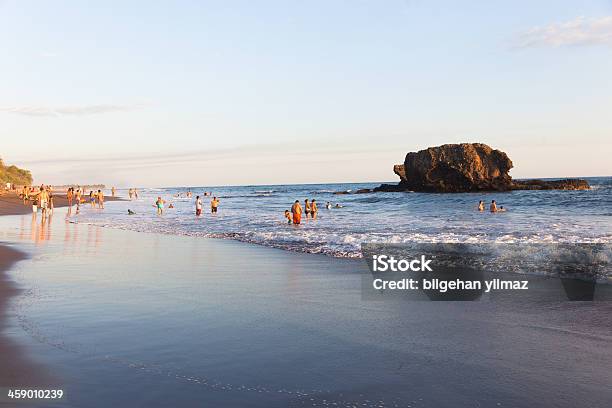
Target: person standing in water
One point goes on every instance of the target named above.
(296, 211)
(288, 217)
(307, 208)
(198, 206)
(493, 207)
(100, 199)
(113, 191)
(160, 206)
(481, 206)
(214, 205)
(313, 208)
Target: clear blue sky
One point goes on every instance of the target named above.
(157, 93)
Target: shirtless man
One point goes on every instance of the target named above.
(313, 208)
(481, 205)
(214, 205)
(296, 211)
(100, 199)
(43, 201)
(493, 207)
(69, 196)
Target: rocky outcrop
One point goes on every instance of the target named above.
(399, 170)
(466, 167)
(565, 184)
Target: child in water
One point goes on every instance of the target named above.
(288, 216)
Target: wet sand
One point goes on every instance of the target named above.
(12, 204)
(186, 321)
(16, 370)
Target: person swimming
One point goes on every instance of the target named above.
(501, 209)
(493, 206)
(328, 205)
(338, 206)
(130, 212)
(481, 206)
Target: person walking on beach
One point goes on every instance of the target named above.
(307, 208)
(113, 191)
(214, 205)
(43, 201)
(481, 206)
(198, 206)
(130, 193)
(296, 211)
(100, 199)
(69, 196)
(493, 207)
(51, 202)
(314, 209)
(77, 196)
(160, 206)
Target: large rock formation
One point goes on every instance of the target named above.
(465, 167)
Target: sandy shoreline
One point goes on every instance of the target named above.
(16, 370)
(12, 204)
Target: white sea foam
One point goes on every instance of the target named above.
(256, 215)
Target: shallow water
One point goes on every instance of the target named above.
(130, 319)
(255, 214)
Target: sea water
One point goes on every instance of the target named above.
(255, 214)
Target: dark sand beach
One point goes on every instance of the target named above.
(12, 204)
(17, 370)
(133, 319)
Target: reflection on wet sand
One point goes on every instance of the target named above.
(39, 230)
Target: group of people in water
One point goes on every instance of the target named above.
(160, 204)
(311, 209)
(492, 207)
(77, 195)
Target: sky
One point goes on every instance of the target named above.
(187, 93)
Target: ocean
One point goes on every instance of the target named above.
(255, 214)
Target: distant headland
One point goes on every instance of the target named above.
(14, 175)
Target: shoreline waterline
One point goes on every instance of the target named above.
(17, 369)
